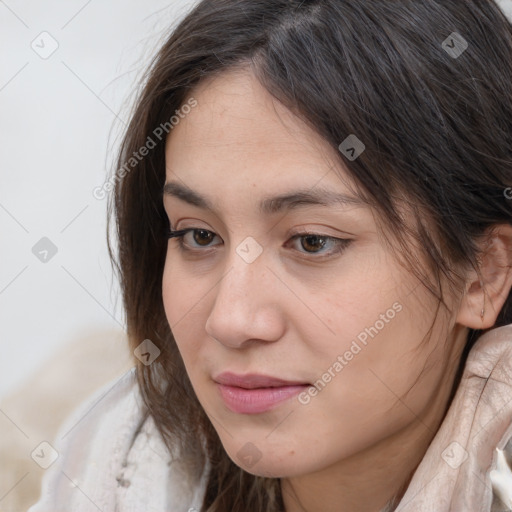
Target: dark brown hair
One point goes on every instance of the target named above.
(438, 134)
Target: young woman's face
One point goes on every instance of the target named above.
(333, 313)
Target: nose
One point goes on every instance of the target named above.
(247, 304)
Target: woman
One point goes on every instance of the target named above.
(313, 210)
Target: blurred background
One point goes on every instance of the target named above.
(67, 75)
(506, 6)
(68, 72)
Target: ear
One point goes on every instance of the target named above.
(490, 290)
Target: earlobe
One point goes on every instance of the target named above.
(486, 293)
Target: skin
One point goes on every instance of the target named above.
(293, 310)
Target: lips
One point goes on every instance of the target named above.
(253, 381)
(253, 393)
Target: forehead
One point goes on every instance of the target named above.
(234, 104)
(238, 134)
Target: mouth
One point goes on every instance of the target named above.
(254, 393)
(254, 381)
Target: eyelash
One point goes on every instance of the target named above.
(342, 243)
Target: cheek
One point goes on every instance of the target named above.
(370, 366)
(183, 302)
(389, 381)
(365, 317)
(170, 284)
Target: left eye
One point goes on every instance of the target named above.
(309, 241)
(316, 241)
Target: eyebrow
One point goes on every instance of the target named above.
(269, 205)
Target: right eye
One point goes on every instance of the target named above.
(204, 235)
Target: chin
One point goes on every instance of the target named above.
(266, 461)
(270, 469)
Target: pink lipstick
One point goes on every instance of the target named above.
(253, 393)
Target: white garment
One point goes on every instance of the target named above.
(119, 462)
